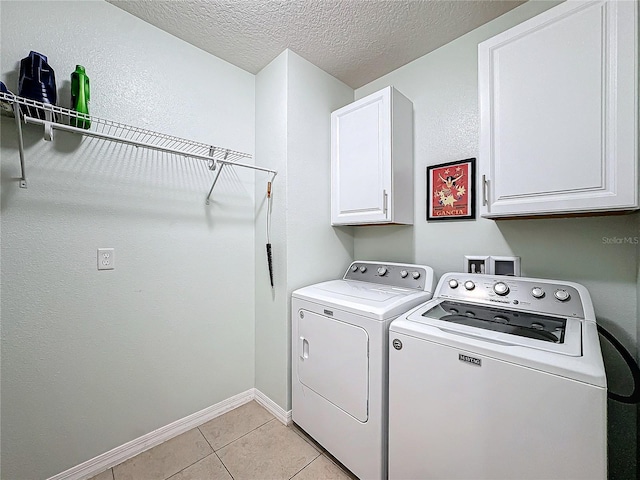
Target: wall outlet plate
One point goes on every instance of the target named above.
(504, 266)
(106, 259)
(476, 264)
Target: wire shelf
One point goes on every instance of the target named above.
(52, 117)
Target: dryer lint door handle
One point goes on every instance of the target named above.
(304, 348)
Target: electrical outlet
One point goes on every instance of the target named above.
(476, 264)
(106, 259)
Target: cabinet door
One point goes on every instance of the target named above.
(361, 161)
(558, 103)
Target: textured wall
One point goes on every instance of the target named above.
(91, 360)
(271, 304)
(316, 251)
(294, 100)
(443, 88)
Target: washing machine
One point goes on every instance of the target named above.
(339, 358)
(498, 378)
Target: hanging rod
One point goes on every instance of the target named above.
(52, 117)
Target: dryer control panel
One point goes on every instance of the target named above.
(415, 277)
(527, 294)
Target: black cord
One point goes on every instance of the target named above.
(633, 368)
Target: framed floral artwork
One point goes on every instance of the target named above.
(451, 191)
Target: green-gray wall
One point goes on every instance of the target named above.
(443, 88)
(294, 101)
(92, 360)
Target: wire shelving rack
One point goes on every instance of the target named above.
(52, 118)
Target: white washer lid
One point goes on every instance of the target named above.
(429, 315)
(581, 361)
(379, 302)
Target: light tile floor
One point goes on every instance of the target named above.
(247, 443)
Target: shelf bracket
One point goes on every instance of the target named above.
(226, 154)
(214, 182)
(48, 130)
(212, 162)
(23, 173)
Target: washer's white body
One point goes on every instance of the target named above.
(470, 403)
(339, 360)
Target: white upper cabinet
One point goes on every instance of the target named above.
(372, 160)
(558, 112)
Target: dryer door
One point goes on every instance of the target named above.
(333, 361)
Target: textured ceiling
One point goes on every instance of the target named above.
(356, 41)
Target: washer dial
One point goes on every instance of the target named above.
(537, 292)
(469, 285)
(453, 283)
(501, 288)
(562, 295)
(382, 271)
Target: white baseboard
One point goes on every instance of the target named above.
(275, 409)
(130, 449)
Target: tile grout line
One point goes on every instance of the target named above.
(223, 464)
(199, 460)
(180, 471)
(312, 460)
(214, 452)
(226, 445)
(323, 451)
(304, 437)
(338, 464)
(320, 453)
(206, 439)
(241, 436)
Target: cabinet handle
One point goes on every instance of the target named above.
(384, 201)
(484, 190)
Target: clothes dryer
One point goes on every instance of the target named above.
(339, 358)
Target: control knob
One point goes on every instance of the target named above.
(363, 269)
(382, 271)
(562, 295)
(354, 268)
(537, 292)
(404, 273)
(415, 275)
(469, 285)
(501, 288)
(453, 283)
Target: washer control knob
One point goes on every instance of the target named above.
(382, 271)
(404, 273)
(453, 283)
(501, 288)
(415, 275)
(354, 268)
(363, 269)
(469, 285)
(537, 292)
(562, 295)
